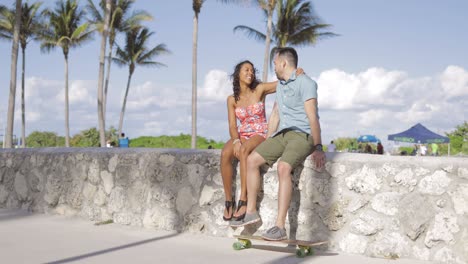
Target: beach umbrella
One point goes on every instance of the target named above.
(368, 138)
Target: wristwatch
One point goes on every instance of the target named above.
(318, 147)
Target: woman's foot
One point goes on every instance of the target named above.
(241, 209)
(229, 209)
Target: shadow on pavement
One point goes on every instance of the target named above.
(11, 214)
(292, 259)
(105, 251)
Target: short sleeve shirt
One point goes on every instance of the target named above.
(290, 98)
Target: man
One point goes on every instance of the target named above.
(298, 136)
(331, 147)
(123, 141)
(435, 149)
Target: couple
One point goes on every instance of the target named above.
(292, 134)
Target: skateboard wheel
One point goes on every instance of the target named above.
(237, 246)
(301, 253)
(310, 252)
(247, 244)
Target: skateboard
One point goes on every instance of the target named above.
(303, 248)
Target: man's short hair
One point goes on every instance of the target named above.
(289, 54)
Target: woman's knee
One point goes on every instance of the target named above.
(244, 152)
(226, 154)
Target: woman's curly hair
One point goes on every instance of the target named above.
(236, 82)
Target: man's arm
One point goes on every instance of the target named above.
(273, 122)
(318, 156)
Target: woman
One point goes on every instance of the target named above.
(247, 104)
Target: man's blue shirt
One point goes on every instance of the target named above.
(124, 142)
(290, 98)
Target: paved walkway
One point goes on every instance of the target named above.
(38, 238)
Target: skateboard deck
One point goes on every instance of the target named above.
(303, 248)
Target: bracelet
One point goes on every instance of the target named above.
(235, 141)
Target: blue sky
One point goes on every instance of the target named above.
(395, 63)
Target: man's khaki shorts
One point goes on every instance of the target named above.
(291, 146)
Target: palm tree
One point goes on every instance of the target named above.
(269, 7)
(14, 61)
(120, 21)
(65, 31)
(136, 53)
(102, 124)
(296, 25)
(30, 25)
(196, 6)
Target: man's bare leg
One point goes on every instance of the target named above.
(284, 192)
(254, 161)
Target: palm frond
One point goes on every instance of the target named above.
(160, 49)
(250, 32)
(95, 16)
(80, 31)
(153, 64)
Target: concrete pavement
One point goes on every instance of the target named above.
(38, 238)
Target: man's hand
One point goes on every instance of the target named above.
(318, 160)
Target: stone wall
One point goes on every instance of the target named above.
(383, 206)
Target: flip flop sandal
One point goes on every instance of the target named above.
(229, 205)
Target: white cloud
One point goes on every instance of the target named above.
(372, 117)
(454, 81)
(341, 90)
(80, 92)
(217, 86)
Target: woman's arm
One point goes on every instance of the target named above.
(268, 87)
(232, 118)
(273, 122)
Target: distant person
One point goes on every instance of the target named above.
(247, 106)
(435, 149)
(422, 149)
(415, 150)
(331, 147)
(379, 148)
(368, 149)
(123, 141)
(109, 144)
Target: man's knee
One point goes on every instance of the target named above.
(284, 170)
(254, 160)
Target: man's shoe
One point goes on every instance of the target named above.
(275, 234)
(248, 220)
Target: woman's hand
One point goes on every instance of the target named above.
(299, 71)
(237, 145)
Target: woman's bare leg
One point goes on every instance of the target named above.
(227, 157)
(248, 145)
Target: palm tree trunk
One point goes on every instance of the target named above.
(106, 83)
(67, 122)
(194, 81)
(23, 110)
(267, 43)
(102, 125)
(14, 61)
(124, 104)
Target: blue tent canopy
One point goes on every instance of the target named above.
(418, 134)
(368, 138)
